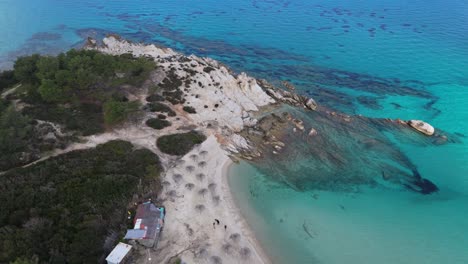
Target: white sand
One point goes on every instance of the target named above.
(189, 233)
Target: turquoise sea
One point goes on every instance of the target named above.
(378, 58)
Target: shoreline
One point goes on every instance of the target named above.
(235, 209)
(203, 223)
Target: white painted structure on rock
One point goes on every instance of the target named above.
(422, 127)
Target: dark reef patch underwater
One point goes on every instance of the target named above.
(342, 153)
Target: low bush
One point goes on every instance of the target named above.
(179, 144)
(155, 98)
(174, 97)
(208, 69)
(190, 110)
(157, 123)
(160, 107)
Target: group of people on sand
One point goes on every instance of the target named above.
(217, 222)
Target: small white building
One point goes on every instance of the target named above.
(119, 254)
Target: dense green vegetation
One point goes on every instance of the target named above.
(80, 89)
(179, 144)
(80, 74)
(157, 123)
(61, 210)
(7, 79)
(16, 133)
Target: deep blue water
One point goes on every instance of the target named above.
(398, 59)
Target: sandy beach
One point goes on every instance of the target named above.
(197, 194)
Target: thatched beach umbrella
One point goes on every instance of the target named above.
(212, 186)
(245, 252)
(200, 176)
(200, 208)
(227, 248)
(177, 177)
(190, 168)
(216, 199)
(189, 186)
(194, 157)
(165, 184)
(202, 192)
(216, 260)
(235, 237)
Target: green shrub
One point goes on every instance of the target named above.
(171, 82)
(208, 69)
(116, 112)
(7, 80)
(26, 68)
(157, 123)
(190, 109)
(174, 97)
(179, 144)
(160, 107)
(51, 92)
(15, 130)
(155, 98)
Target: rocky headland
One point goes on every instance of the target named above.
(241, 118)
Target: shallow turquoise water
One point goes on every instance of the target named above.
(355, 56)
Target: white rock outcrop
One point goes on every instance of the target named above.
(116, 46)
(208, 86)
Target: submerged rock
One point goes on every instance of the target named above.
(312, 132)
(422, 127)
(311, 104)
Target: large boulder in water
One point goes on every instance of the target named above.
(422, 127)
